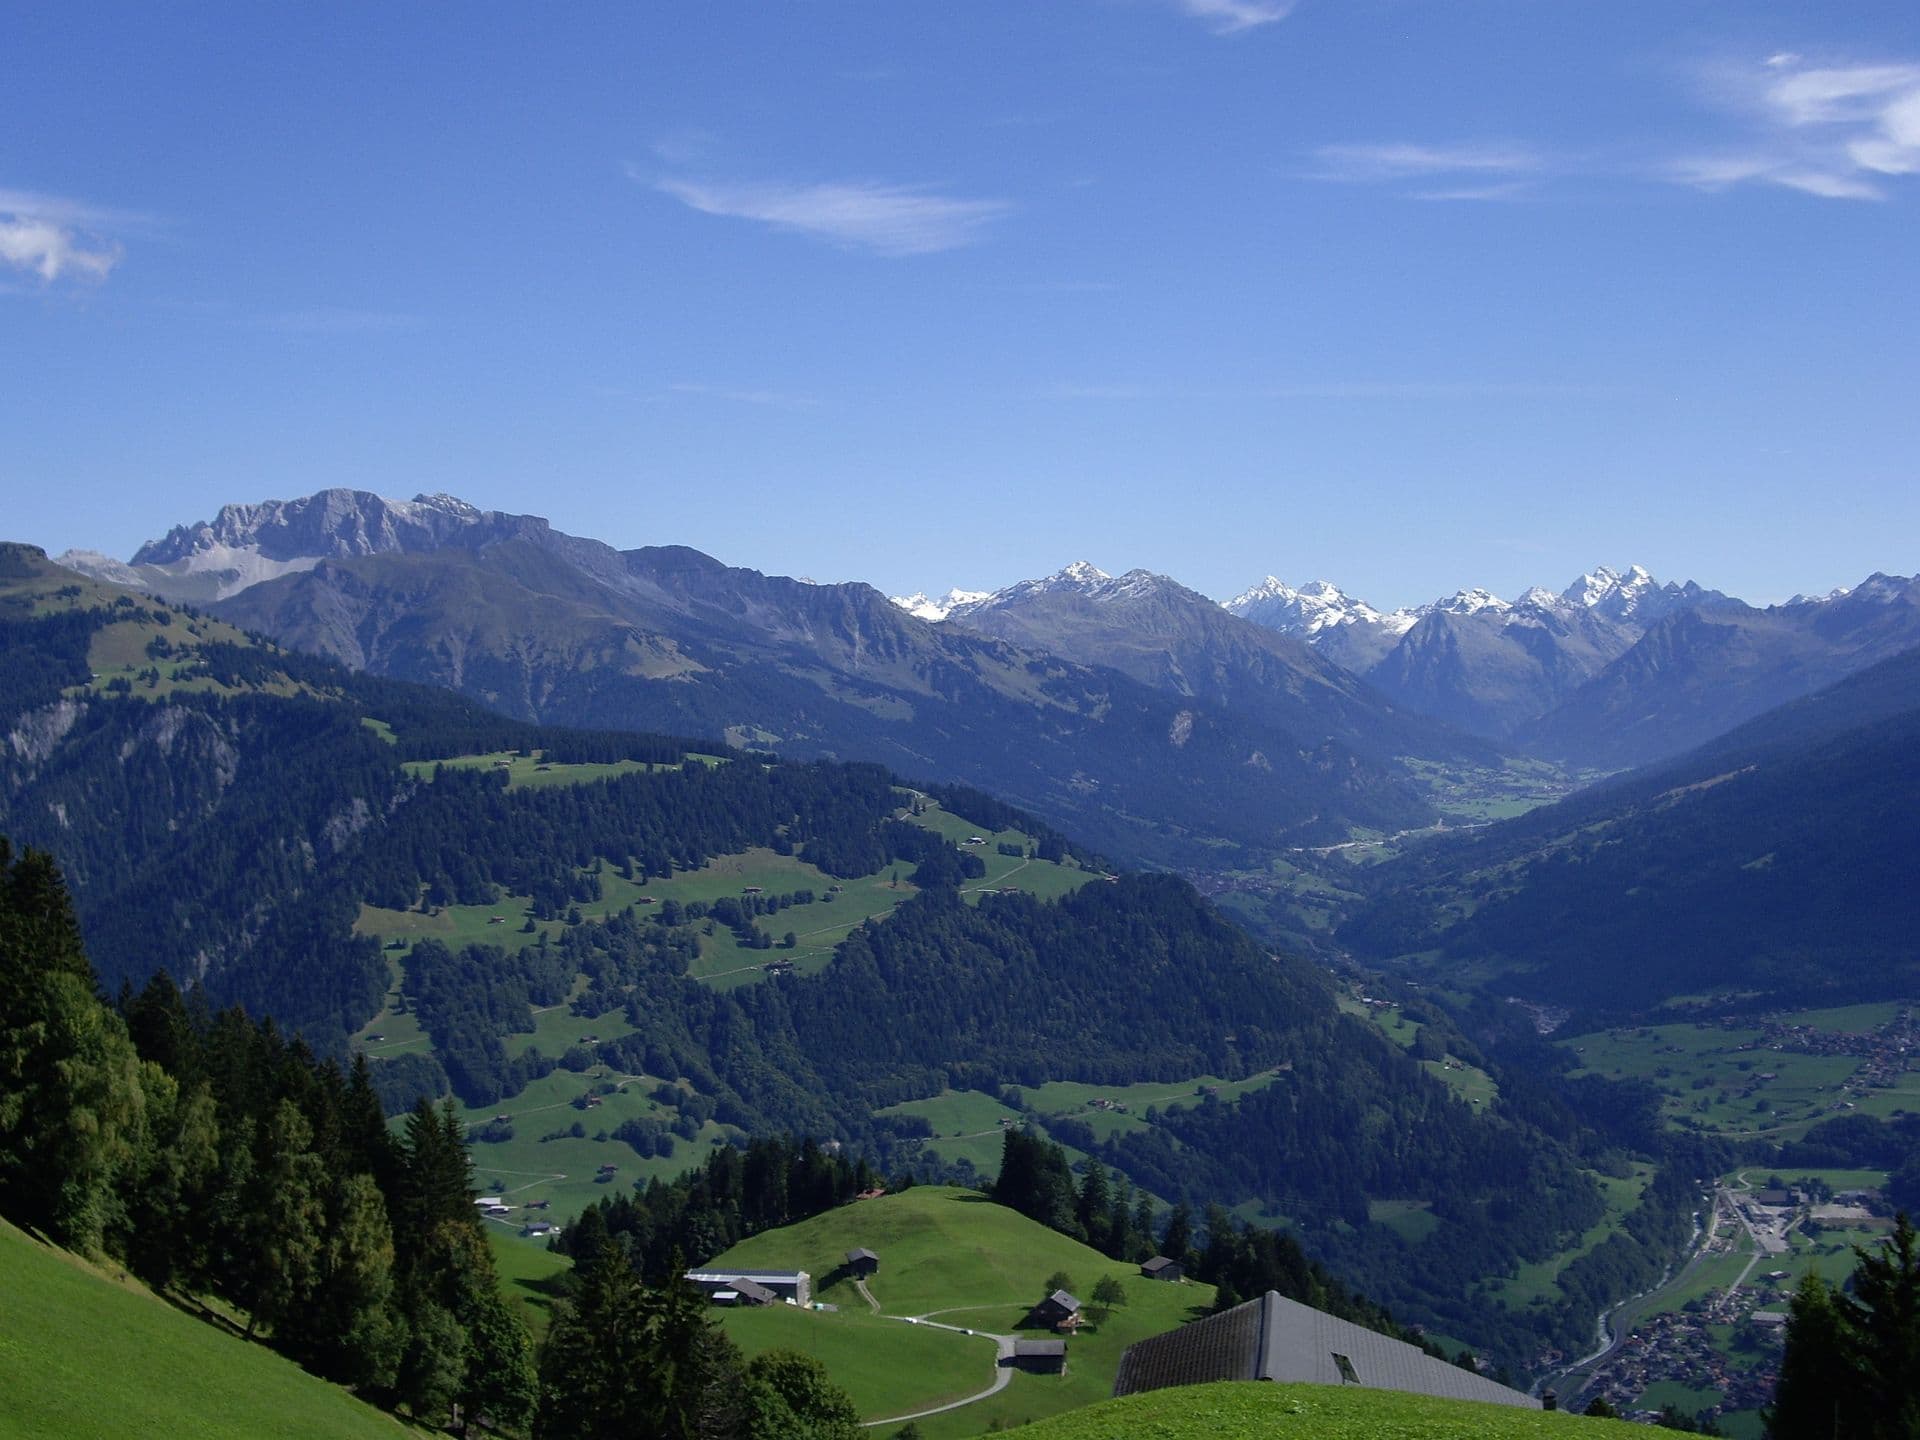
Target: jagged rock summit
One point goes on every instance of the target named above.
(246, 544)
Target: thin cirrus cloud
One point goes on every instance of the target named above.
(881, 219)
(56, 238)
(735, 395)
(1840, 132)
(1232, 17)
(1403, 161)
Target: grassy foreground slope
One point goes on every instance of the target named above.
(1324, 1412)
(82, 1355)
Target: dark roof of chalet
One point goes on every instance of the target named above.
(1274, 1338)
(1159, 1263)
(753, 1290)
(1061, 1298)
(854, 1257)
(1039, 1348)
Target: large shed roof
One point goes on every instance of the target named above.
(1274, 1338)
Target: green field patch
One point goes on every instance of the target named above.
(954, 1256)
(1047, 879)
(1725, 1081)
(545, 1160)
(1684, 1398)
(1469, 1082)
(84, 1352)
(380, 728)
(1847, 1019)
(149, 660)
(967, 1125)
(886, 1366)
(529, 1276)
(1832, 1179)
(959, 1113)
(1402, 1031)
(1828, 1255)
(1489, 792)
(556, 1030)
(457, 926)
(533, 771)
(1074, 1097)
(1539, 1280)
(1412, 1220)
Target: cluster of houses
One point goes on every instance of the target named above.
(495, 1207)
(753, 1287)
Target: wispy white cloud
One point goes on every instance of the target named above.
(1231, 17)
(773, 399)
(1841, 132)
(861, 215)
(1399, 160)
(1503, 190)
(55, 238)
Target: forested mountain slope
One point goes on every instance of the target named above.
(1777, 859)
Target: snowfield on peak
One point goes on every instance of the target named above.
(927, 608)
(1316, 606)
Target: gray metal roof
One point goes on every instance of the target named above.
(1274, 1338)
(860, 1254)
(1039, 1347)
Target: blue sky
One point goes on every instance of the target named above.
(1405, 294)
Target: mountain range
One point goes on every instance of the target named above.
(549, 627)
(1131, 709)
(1615, 670)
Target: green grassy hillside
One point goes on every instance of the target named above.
(82, 1354)
(955, 1258)
(1323, 1412)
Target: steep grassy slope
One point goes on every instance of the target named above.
(84, 1355)
(1323, 1412)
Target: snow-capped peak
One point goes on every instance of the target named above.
(927, 608)
(1608, 589)
(1467, 602)
(1311, 610)
(1080, 573)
